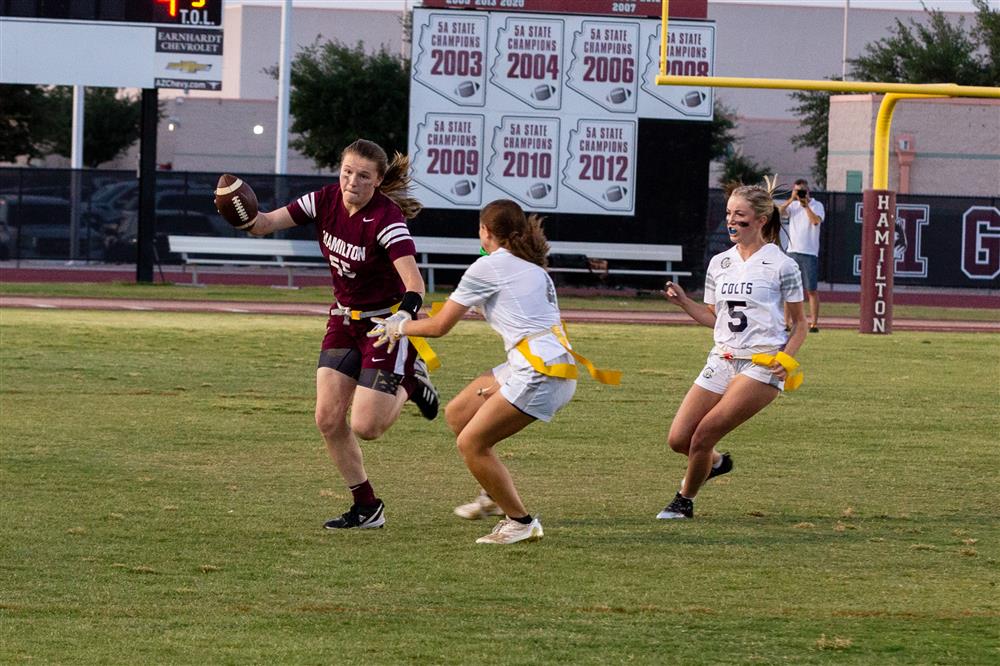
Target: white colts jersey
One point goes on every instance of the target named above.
(517, 299)
(749, 299)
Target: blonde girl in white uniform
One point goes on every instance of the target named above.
(746, 289)
(517, 298)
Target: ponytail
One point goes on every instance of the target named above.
(520, 234)
(772, 228)
(396, 185)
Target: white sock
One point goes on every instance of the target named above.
(717, 465)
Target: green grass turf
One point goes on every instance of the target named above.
(163, 490)
(644, 302)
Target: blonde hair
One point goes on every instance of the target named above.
(395, 175)
(761, 200)
(521, 234)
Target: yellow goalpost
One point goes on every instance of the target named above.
(879, 202)
(898, 90)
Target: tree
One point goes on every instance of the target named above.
(340, 94)
(736, 167)
(23, 109)
(933, 52)
(111, 123)
(36, 121)
(723, 131)
(813, 110)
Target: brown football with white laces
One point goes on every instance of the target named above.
(235, 200)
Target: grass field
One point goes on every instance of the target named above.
(163, 490)
(626, 302)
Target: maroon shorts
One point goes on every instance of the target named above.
(353, 335)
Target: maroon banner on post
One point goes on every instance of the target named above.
(692, 9)
(878, 233)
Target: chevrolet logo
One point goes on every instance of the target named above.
(189, 66)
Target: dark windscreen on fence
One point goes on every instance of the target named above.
(940, 241)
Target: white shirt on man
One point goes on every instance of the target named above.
(803, 235)
(749, 298)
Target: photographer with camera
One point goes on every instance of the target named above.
(805, 214)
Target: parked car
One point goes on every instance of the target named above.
(191, 213)
(107, 202)
(38, 227)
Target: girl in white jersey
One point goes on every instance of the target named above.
(746, 289)
(518, 300)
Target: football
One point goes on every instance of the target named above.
(235, 201)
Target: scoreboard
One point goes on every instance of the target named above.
(112, 43)
(205, 13)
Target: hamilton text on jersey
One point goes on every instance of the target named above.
(343, 248)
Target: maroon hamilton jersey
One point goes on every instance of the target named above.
(360, 247)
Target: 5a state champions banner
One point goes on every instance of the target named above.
(543, 109)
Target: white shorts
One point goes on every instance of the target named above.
(719, 372)
(532, 392)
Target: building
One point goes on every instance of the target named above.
(235, 130)
(796, 42)
(937, 146)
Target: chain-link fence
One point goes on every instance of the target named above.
(92, 216)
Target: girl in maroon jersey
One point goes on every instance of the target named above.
(361, 227)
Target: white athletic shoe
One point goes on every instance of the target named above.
(481, 507)
(511, 531)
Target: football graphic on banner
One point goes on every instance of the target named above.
(539, 190)
(693, 98)
(543, 92)
(467, 88)
(616, 193)
(619, 95)
(463, 187)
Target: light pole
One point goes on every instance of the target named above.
(284, 86)
(843, 71)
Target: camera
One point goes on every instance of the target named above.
(799, 193)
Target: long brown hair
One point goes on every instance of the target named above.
(395, 175)
(520, 234)
(761, 200)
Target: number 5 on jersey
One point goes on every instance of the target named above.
(738, 319)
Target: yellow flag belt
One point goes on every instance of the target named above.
(567, 370)
(794, 376)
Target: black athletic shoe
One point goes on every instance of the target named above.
(424, 396)
(725, 468)
(681, 507)
(359, 517)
